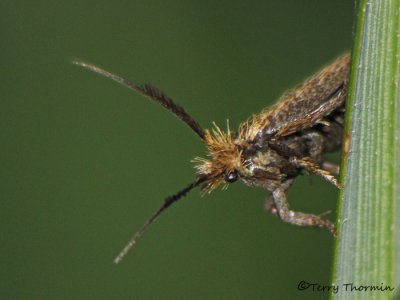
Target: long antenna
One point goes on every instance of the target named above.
(149, 91)
(168, 201)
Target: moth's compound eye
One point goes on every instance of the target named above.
(231, 177)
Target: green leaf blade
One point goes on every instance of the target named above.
(367, 250)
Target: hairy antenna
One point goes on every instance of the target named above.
(168, 201)
(149, 91)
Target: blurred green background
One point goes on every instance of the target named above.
(86, 161)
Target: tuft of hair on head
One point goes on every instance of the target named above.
(168, 201)
(225, 157)
(149, 91)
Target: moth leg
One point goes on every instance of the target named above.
(307, 164)
(330, 167)
(270, 206)
(295, 217)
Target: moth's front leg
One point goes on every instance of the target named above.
(279, 197)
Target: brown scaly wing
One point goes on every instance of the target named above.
(304, 106)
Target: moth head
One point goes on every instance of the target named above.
(225, 164)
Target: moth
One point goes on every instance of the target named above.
(271, 148)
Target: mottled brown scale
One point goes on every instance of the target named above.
(271, 148)
(303, 106)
